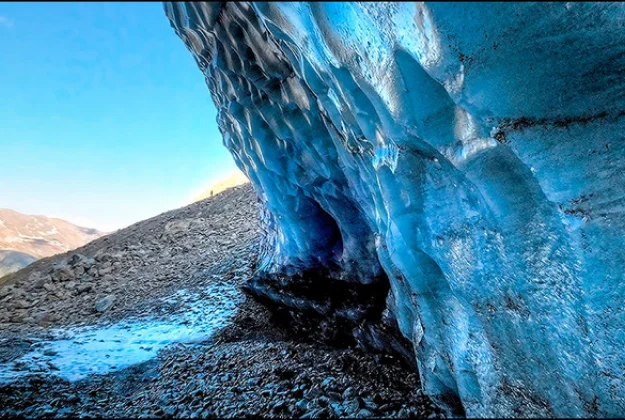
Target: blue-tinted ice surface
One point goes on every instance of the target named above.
(474, 153)
(75, 353)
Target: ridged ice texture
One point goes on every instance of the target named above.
(472, 152)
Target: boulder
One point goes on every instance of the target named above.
(62, 273)
(84, 287)
(105, 303)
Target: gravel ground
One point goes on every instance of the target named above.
(184, 248)
(252, 367)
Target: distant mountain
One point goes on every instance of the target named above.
(229, 181)
(25, 238)
(11, 261)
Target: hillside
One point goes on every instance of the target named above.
(26, 238)
(11, 261)
(232, 180)
(134, 263)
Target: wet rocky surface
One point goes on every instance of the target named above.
(161, 273)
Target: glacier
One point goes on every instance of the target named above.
(455, 167)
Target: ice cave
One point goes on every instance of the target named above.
(456, 167)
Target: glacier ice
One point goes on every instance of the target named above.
(468, 156)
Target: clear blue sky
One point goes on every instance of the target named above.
(105, 119)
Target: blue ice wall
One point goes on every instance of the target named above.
(473, 153)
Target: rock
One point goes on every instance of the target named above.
(364, 414)
(329, 383)
(107, 279)
(297, 391)
(75, 259)
(38, 284)
(42, 318)
(336, 396)
(18, 318)
(369, 403)
(23, 304)
(84, 287)
(170, 411)
(63, 273)
(279, 406)
(80, 261)
(105, 270)
(36, 281)
(105, 303)
(312, 393)
(402, 412)
(301, 405)
(385, 407)
(72, 398)
(352, 406)
(337, 409)
(254, 382)
(226, 377)
(324, 412)
(49, 352)
(349, 393)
